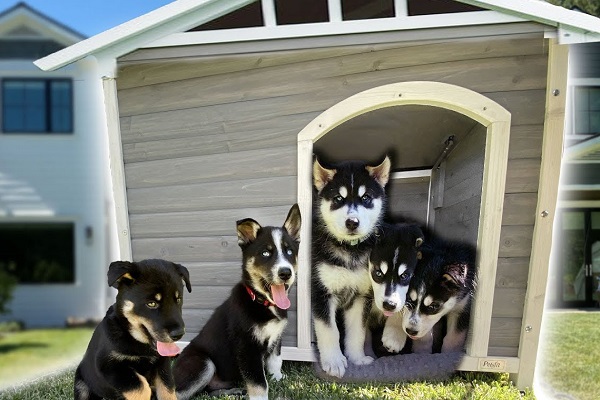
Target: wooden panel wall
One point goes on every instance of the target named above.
(210, 140)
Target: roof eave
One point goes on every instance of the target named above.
(173, 17)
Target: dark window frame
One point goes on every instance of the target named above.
(48, 106)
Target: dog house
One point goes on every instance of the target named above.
(214, 109)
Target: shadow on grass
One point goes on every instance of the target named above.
(7, 348)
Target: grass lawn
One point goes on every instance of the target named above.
(569, 369)
(32, 353)
(301, 383)
(570, 351)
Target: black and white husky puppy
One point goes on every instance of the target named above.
(392, 263)
(349, 205)
(442, 286)
(243, 336)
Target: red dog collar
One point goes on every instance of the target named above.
(255, 298)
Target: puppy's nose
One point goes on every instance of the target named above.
(176, 333)
(412, 332)
(389, 305)
(284, 273)
(352, 223)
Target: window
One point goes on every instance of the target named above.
(38, 252)
(37, 106)
(586, 110)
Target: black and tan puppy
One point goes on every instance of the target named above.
(130, 351)
(243, 336)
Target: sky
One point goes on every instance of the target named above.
(90, 17)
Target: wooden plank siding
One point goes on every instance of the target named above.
(210, 140)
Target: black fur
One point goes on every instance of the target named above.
(236, 344)
(447, 271)
(122, 356)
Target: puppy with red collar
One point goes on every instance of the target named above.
(243, 336)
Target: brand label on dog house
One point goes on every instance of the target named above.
(489, 364)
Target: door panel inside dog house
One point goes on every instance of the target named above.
(437, 159)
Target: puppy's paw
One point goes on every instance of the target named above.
(361, 359)
(278, 375)
(393, 340)
(334, 364)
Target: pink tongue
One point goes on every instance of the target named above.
(388, 313)
(280, 296)
(167, 349)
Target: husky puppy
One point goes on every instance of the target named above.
(392, 263)
(349, 206)
(243, 336)
(130, 351)
(442, 286)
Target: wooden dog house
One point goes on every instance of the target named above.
(214, 108)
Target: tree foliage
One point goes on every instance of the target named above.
(588, 6)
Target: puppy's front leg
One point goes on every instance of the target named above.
(129, 383)
(394, 337)
(274, 362)
(164, 382)
(356, 331)
(332, 360)
(252, 368)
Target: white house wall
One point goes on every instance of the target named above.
(60, 178)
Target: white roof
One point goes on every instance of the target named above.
(182, 15)
(22, 20)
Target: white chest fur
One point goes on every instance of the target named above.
(337, 278)
(270, 332)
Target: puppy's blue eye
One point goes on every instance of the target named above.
(289, 252)
(338, 199)
(152, 304)
(378, 273)
(366, 199)
(433, 307)
(405, 276)
(266, 254)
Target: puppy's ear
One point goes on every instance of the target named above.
(121, 270)
(292, 223)
(455, 275)
(185, 275)
(247, 230)
(321, 175)
(381, 172)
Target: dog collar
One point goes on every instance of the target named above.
(255, 298)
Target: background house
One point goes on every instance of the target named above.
(575, 280)
(55, 197)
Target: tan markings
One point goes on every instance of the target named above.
(448, 278)
(136, 323)
(143, 393)
(162, 391)
(413, 295)
(428, 300)
(256, 391)
(158, 297)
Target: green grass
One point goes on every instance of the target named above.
(33, 353)
(570, 352)
(301, 383)
(569, 369)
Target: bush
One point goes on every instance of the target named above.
(7, 285)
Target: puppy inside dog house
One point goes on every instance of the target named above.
(212, 110)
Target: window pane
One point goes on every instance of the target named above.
(594, 122)
(594, 96)
(38, 252)
(301, 12)
(37, 105)
(367, 9)
(582, 125)
(581, 99)
(61, 107)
